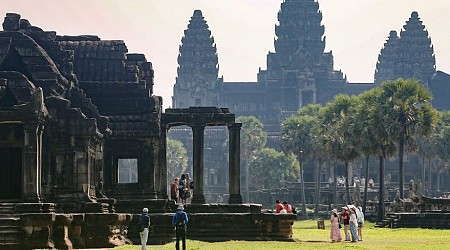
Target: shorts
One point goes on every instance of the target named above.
(360, 224)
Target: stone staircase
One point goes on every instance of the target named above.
(10, 228)
(389, 221)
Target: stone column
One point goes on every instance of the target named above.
(234, 169)
(164, 185)
(31, 187)
(198, 148)
(146, 169)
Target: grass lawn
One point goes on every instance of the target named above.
(307, 236)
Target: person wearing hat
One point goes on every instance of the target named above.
(353, 224)
(335, 233)
(360, 223)
(144, 224)
(180, 220)
(346, 221)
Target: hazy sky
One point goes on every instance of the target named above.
(243, 30)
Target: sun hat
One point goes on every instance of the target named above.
(145, 210)
(334, 210)
(180, 207)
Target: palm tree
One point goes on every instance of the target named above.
(337, 122)
(363, 133)
(383, 131)
(296, 138)
(411, 115)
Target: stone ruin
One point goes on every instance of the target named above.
(74, 110)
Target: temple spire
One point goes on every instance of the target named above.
(198, 66)
(409, 56)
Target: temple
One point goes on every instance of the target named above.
(299, 72)
(83, 143)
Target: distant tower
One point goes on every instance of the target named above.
(197, 83)
(299, 32)
(387, 59)
(291, 77)
(412, 54)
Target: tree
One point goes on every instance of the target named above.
(364, 135)
(253, 138)
(411, 115)
(272, 169)
(177, 159)
(296, 138)
(339, 139)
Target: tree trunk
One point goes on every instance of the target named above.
(335, 185)
(302, 185)
(317, 194)
(347, 188)
(381, 191)
(366, 184)
(400, 166)
(429, 178)
(422, 187)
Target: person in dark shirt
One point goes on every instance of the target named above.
(180, 221)
(144, 222)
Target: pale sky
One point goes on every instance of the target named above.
(243, 30)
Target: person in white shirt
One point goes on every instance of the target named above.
(353, 224)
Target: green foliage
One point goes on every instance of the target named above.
(253, 137)
(177, 159)
(272, 169)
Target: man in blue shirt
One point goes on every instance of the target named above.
(180, 220)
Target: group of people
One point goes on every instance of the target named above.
(353, 220)
(179, 220)
(181, 189)
(284, 208)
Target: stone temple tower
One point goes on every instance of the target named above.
(293, 70)
(197, 83)
(410, 56)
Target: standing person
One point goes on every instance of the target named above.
(335, 233)
(189, 186)
(180, 220)
(144, 224)
(182, 189)
(346, 221)
(174, 192)
(353, 224)
(360, 223)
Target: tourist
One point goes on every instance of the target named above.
(189, 186)
(278, 206)
(174, 192)
(353, 224)
(371, 183)
(345, 220)
(144, 223)
(182, 189)
(335, 233)
(180, 221)
(288, 207)
(360, 223)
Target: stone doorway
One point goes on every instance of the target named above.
(10, 173)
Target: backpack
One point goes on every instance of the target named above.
(180, 223)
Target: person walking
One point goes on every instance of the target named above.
(182, 189)
(180, 221)
(353, 224)
(335, 233)
(144, 224)
(346, 220)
